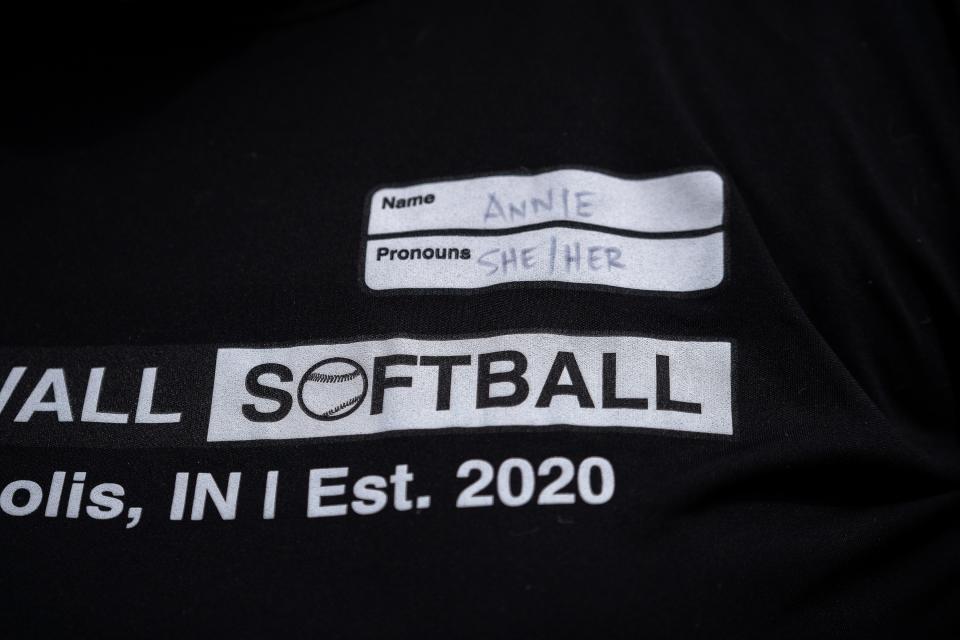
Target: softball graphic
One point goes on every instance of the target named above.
(332, 389)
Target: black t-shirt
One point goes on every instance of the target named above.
(513, 319)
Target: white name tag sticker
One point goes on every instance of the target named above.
(525, 380)
(572, 226)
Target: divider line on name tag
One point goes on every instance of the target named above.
(563, 224)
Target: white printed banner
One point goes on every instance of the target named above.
(533, 379)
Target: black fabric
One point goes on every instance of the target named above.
(177, 179)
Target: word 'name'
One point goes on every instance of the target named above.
(403, 203)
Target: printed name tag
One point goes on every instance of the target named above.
(532, 380)
(571, 226)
